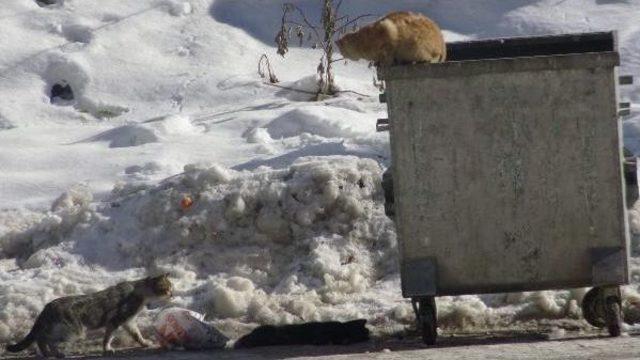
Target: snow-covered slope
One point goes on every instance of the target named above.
(131, 65)
(287, 222)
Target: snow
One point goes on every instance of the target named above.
(287, 223)
(325, 121)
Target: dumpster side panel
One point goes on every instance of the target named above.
(507, 181)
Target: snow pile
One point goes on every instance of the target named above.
(324, 121)
(149, 132)
(67, 211)
(305, 243)
(127, 135)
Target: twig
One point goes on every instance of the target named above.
(281, 37)
(351, 91)
(344, 26)
(306, 21)
(295, 23)
(338, 7)
(292, 89)
(272, 77)
(314, 92)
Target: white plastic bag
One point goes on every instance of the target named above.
(177, 327)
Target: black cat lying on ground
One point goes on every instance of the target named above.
(313, 333)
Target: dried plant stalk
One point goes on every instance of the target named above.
(319, 36)
(264, 63)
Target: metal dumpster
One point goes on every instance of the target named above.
(507, 176)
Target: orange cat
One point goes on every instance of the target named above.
(399, 37)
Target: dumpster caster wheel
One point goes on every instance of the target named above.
(613, 316)
(601, 308)
(592, 308)
(426, 316)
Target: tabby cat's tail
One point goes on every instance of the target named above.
(30, 338)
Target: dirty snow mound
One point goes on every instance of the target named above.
(305, 243)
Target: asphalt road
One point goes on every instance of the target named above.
(467, 347)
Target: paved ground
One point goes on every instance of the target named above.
(467, 347)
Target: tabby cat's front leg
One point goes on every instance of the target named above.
(108, 336)
(44, 348)
(133, 330)
(56, 352)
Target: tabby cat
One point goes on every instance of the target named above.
(67, 317)
(312, 333)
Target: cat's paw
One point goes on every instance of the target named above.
(147, 343)
(108, 352)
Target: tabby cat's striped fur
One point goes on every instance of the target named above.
(67, 317)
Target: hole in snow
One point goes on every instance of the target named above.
(43, 3)
(61, 92)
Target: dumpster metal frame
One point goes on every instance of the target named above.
(483, 144)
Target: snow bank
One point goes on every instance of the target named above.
(150, 132)
(306, 243)
(325, 121)
(127, 135)
(302, 243)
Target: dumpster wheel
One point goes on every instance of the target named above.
(601, 308)
(426, 317)
(613, 315)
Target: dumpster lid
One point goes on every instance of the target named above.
(532, 46)
(533, 53)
